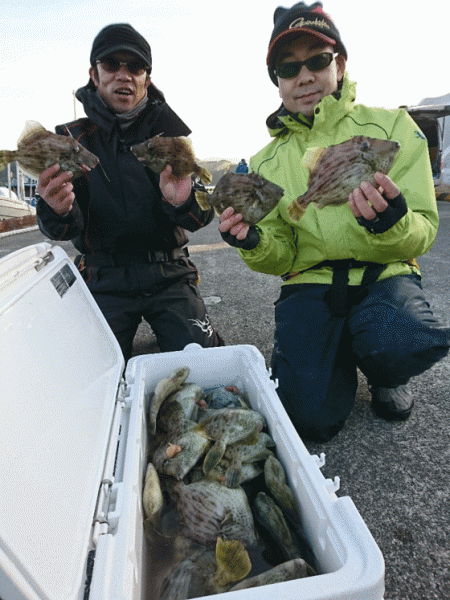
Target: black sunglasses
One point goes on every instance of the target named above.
(112, 65)
(315, 63)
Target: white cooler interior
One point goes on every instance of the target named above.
(351, 564)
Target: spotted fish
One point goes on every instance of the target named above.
(38, 149)
(248, 193)
(158, 152)
(337, 170)
(210, 510)
(293, 569)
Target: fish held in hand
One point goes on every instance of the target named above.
(38, 148)
(158, 152)
(248, 193)
(337, 170)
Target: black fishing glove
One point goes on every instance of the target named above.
(250, 241)
(396, 209)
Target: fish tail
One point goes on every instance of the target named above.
(213, 457)
(297, 209)
(202, 199)
(204, 175)
(233, 562)
(7, 157)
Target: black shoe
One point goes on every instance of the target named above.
(392, 404)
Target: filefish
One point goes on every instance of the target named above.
(206, 572)
(225, 397)
(293, 569)
(242, 454)
(334, 172)
(158, 152)
(152, 497)
(248, 193)
(164, 388)
(177, 457)
(271, 518)
(228, 426)
(38, 149)
(210, 510)
(275, 479)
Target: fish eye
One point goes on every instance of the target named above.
(365, 146)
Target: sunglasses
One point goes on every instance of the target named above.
(316, 63)
(112, 65)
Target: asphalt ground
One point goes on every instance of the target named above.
(397, 474)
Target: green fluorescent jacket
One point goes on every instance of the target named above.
(332, 233)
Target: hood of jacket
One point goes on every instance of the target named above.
(98, 112)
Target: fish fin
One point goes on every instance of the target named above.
(214, 456)
(202, 199)
(233, 562)
(7, 157)
(204, 175)
(297, 209)
(311, 158)
(30, 129)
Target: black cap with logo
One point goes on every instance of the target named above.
(297, 20)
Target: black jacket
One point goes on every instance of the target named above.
(125, 206)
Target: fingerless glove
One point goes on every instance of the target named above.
(250, 241)
(397, 208)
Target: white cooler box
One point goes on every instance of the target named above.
(74, 446)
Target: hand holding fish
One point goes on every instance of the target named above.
(366, 201)
(232, 222)
(56, 189)
(174, 190)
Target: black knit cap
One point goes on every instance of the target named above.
(121, 36)
(290, 23)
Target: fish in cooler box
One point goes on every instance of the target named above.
(76, 429)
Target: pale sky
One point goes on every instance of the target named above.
(209, 60)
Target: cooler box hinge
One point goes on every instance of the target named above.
(42, 261)
(109, 498)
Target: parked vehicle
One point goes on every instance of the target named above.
(431, 118)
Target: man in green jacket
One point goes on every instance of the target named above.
(351, 295)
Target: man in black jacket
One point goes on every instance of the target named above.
(127, 222)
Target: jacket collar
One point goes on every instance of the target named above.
(331, 109)
(98, 112)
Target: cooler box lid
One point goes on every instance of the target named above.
(61, 367)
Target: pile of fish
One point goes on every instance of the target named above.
(216, 500)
